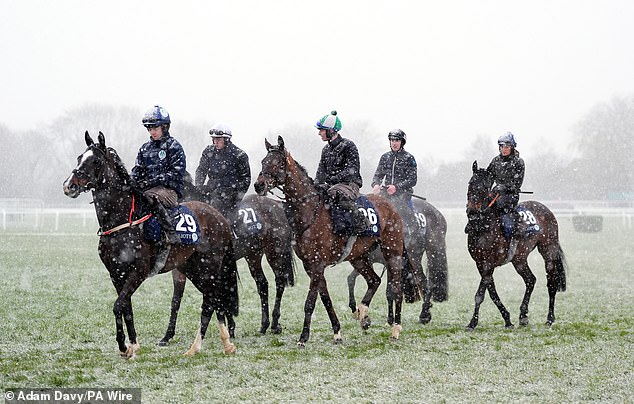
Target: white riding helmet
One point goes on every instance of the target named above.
(220, 130)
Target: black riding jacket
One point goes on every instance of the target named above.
(160, 162)
(507, 172)
(227, 170)
(339, 163)
(398, 168)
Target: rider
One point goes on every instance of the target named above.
(397, 169)
(507, 170)
(159, 171)
(338, 173)
(227, 169)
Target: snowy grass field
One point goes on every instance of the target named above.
(58, 331)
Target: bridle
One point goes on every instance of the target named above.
(275, 183)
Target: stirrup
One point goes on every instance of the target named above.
(161, 259)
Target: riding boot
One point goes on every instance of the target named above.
(170, 236)
(167, 223)
(515, 236)
(360, 223)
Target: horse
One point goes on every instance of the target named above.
(210, 263)
(433, 245)
(489, 247)
(317, 246)
(265, 232)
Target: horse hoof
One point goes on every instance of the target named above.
(163, 342)
(276, 330)
(509, 326)
(230, 349)
(523, 322)
(366, 323)
(301, 344)
(424, 319)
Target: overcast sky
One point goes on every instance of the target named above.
(443, 71)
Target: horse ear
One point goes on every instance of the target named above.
(474, 167)
(267, 144)
(102, 140)
(89, 141)
(280, 141)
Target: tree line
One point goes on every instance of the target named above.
(35, 163)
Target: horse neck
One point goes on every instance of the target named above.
(112, 203)
(301, 197)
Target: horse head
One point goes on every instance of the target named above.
(273, 172)
(93, 166)
(479, 198)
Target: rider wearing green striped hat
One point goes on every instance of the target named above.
(338, 173)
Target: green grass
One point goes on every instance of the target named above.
(58, 331)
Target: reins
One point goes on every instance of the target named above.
(130, 222)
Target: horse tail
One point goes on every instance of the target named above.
(228, 285)
(409, 281)
(560, 270)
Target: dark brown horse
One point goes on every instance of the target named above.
(489, 247)
(209, 264)
(432, 245)
(317, 246)
(265, 232)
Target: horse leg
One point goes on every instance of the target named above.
(522, 268)
(363, 266)
(352, 302)
(280, 287)
(394, 277)
(317, 285)
(418, 271)
(498, 302)
(255, 267)
(122, 309)
(555, 276)
(231, 325)
(479, 297)
(179, 280)
(332, 315)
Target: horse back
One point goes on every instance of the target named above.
(545, 218)
(391, 223)
(215, 231)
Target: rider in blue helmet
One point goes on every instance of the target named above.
(507, 170)
(158, 173)
(338, 173)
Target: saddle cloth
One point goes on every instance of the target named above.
(342, 219)
(186, 226)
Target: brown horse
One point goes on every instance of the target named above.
(489, 247)
(209, 264)
(270, 236)
(430, 244)
(317, 246)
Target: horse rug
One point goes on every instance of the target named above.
(186, 226)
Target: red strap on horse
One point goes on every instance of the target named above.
(124, 225)
(492, 202)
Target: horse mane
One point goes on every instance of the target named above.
(118, 165)
(299, 166)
